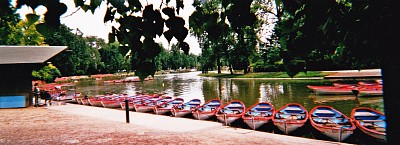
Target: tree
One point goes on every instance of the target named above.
(48, 73)
(111, 58)
(30, 35)
(79, 56)
(10, 35)
(358, 30)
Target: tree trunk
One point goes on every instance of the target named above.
(388, 40)
(230, 69)
(390, 77)
(219, 64)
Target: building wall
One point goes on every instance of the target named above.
(15, 85)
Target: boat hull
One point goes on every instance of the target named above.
(290, 117)
(203, 115)
(85, 102)
(161, 111)
(258, 114)
(288, 127)
(255, 123)
(130, 104)
(370, 121)
(331, 123)
(207, 110)
(144, 108)
(111, 104)
(334, 133)
(180, 113)
(370, 93)
(228, 119)
(96, 103)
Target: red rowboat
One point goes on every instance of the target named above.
(166, 107)
(181, 110)
(370, 121)
(258, 114)
(331, 122)
(231, 112)
(207, 110)
(290, 117)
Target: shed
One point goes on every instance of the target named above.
(16, 65)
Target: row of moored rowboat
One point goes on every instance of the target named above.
(361, 89)
(288, 118)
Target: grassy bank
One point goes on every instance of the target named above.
(309, 74)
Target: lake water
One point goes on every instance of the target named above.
(249, 91)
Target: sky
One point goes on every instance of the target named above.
(93, 25)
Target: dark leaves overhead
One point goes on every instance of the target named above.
(109, 16)
(132, 29)
(184, 47)
(153, 23)
(239, 15)
(179, 5)
(170, 12)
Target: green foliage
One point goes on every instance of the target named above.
(175, 59)
(30, 35)
(10, 35)
(129, 33)
(47, 73)
(111, 58)
(78, 58)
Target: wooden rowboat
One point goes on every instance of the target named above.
(231, 112)
(131, 103)
(85, 101)
(166, 107)
(181, 110)
(290, 117)
(370, 121)
(331, 122)
(332, 90)
(96, 101)
(207, 110)
(111, 103)
(258, 114)
(147, 104)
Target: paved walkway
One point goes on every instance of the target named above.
(369, 73)
(174, 124)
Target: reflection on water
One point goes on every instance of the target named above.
(249, 91)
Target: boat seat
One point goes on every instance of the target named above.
(262, 109)
(372, 120)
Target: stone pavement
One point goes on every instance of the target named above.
(175, 124)
(368, 73)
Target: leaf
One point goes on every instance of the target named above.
(95, 3)
(179, 5)
(85, 8)
(170, 12)
(225, 3)
(184, 47)
(145, 69)
(109, 16)
(79, 3)
(135, 4)
(32, 18)
(150, 48)
(181, 33)
(123, 50)
(61, 8)
(111, 37)
(41, 28)
(175, 22)
(168, 35)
